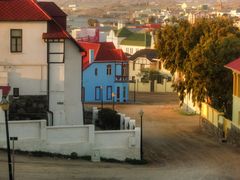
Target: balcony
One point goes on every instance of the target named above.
(121, 79)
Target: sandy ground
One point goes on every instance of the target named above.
(174, 145)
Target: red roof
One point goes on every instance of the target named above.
(21, 10)
(234, 65)
(103, 51)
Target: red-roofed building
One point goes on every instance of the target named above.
(40, 61)
(105, 72)
(235, 67)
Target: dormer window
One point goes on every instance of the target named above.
(109, 69)
(16, 40)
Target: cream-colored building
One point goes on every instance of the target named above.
(40, 61)
(147, 60)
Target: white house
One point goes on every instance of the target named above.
(40, 61)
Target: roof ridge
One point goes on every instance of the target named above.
(36, 4)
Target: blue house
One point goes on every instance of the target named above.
(105, 73)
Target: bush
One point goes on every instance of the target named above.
(109, 119)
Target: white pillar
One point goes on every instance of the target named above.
(73, 84)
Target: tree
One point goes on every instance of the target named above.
(93, 22)
(199, 52)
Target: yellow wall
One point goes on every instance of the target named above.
(236, 110)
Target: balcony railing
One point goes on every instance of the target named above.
(121, 78)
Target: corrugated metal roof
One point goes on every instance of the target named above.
(21, 10)
(103, 51)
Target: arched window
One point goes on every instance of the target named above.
(109, 69)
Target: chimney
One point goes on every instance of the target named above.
(91, 56)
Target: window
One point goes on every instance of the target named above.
(133, 78)
(131, 50)
(118, 93)
(124, 70)
(124, 92)
(134, 63)
(109, 92)
(97, 93)
(127, 50)
(16, 40)
(109, 69)
(96, 71)
(15, 92)
(142, 67)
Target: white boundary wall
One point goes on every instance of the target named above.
(34, 135)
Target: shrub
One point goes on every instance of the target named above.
(109, 119)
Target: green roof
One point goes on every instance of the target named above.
(138, 39)
(124, 32)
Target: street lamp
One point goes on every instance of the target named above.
(5, 107)
(101, 97)
(113, 98)
(13, 155)
(141, 112)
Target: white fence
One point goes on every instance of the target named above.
(34, 135)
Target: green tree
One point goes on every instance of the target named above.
(93, 22)
(199, 52)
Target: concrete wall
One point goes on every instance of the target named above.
(217, 125)
(118, 144)
(36, 136)
(145, 87)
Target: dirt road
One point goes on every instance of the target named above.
(174, 145)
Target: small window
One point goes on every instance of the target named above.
(16, 40)
(131, 50)
(142, 67)
(109, 92)
(134, 63)
(127, 50)
(109, 69)
(96, 71)
(97, 93)
(15, 92)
